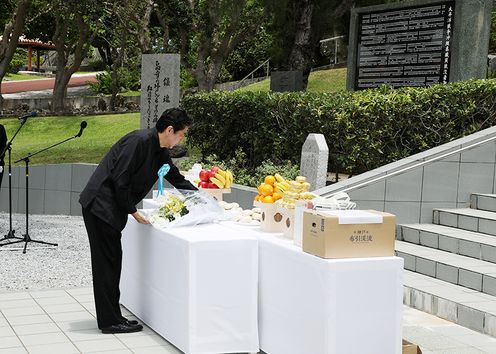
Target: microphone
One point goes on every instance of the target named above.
(83, 125)
(26, 116)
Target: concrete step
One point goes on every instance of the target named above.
(467, 219)
(468, 308)
(449, 239)
(449, 267)
(483, 201)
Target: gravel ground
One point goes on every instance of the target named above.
(65, 266)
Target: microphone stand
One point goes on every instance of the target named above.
(11, 234)
(26, 238)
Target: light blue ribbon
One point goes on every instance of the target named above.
(161, 174)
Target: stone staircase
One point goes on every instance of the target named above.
(450, 265)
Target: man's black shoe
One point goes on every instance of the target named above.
(122, 328)
(129, 322)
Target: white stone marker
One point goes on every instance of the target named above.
(314, 157)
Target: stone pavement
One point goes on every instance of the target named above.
(63, 322)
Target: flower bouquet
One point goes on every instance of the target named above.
(185, 208)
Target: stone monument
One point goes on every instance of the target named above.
(418, 43)
(286, 81)
(314, 158)
(159, 86)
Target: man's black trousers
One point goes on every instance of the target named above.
(106, 265)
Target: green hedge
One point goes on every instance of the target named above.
(364, 129)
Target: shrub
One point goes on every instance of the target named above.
(17, 62)
(129, 81)
(363, 130)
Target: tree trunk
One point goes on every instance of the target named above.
(115, 85)
(10, 38)
(64, 49)
(60, 90)
(302, 52)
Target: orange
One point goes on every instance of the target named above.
(266, 189)
(270, 180)
(276, 196)
(257, 198)
(268, 199)
(260, 188)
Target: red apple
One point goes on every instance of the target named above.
(204, 184)
(212, 185)
(204, 175)
(215, 169)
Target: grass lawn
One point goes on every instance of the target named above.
(319, 81)
(15, 77)
(100, 134)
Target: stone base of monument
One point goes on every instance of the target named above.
(272, 218)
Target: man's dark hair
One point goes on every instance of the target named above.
(175, 117)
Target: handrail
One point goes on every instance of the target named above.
(253, 71)
(377, 179)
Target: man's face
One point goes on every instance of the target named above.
(169, 138)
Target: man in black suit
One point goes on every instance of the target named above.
(3, 144)
(121, 180)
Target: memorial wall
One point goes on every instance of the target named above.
(418, 43)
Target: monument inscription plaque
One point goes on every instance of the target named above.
(159, 86)
(405, 47)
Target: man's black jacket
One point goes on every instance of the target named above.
(126, 174)
(3, 143)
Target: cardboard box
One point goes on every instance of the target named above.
(410, 348)
(349, 233)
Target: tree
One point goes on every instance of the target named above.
(492, 43)
(208, 31)
(13, 28)
(76, 24)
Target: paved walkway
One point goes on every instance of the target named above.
(63, 322)
(44, 84)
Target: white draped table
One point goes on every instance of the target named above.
(195, 286)
(327, 306)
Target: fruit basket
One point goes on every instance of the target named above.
(271, 217)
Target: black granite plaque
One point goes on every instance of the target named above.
(405, 47)
(286, 81)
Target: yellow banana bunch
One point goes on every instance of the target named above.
(222, 179)
(297, 190)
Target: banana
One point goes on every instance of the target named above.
(217, 182)
(222, 173)
(279, 178)
(230, 176)
(301, 179)
(285, 185)
(220, 177)
(306, 185)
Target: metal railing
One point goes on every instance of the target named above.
(406, 169)
(252, 73)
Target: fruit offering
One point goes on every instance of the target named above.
(268, 191)
(215, 178)
(293, 191)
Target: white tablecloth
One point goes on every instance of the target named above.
(196, 287)
(322, 306)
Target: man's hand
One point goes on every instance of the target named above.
(140, 218)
